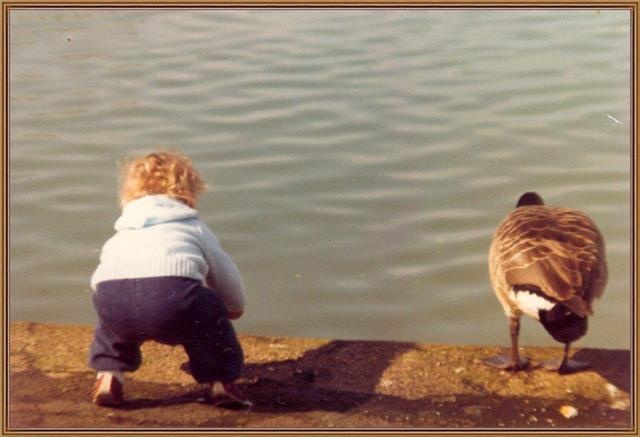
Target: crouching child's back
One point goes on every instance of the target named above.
(164, 277)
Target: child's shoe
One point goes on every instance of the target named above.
(227, 395)
(107, 391)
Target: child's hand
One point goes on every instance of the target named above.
(235, 315)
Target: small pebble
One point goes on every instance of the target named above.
(386, 383)
(618, 399)
(473, 410)
(612, 390)
(568, 411)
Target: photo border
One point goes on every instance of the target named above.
(8, 6)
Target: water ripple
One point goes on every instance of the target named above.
(358, 161)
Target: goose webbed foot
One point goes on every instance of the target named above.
(512, 361)
(565, 366)
(507, 362)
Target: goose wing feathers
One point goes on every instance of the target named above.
(557, 250)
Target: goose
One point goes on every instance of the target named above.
(549, 264)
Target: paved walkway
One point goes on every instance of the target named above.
(307, 383)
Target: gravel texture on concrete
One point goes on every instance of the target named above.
(305, 384)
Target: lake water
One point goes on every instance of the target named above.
(358, 160)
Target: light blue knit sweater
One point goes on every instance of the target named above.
(160, 236)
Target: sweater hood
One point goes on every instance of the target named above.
(152, 210)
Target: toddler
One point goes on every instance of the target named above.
(163, 276)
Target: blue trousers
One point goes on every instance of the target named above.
(169, 310)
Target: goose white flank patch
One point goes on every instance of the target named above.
(531, 303)
(549, 264)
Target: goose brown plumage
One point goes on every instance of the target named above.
(548, 263)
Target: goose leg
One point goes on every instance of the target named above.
(565, 365)
(513, 361)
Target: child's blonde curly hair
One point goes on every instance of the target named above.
(164, 172)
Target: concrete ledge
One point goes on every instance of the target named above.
(309, 383)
